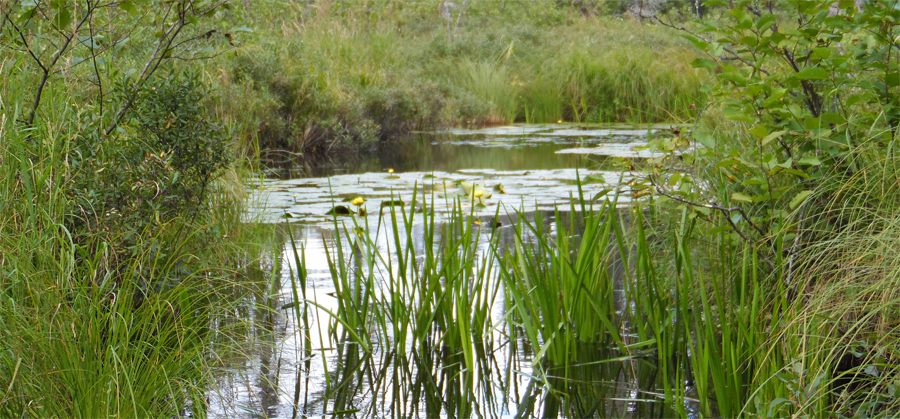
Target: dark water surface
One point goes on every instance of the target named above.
(533, 147)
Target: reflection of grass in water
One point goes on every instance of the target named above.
(439, 297)
(688, 318)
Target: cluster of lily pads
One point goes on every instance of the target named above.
(464, 189)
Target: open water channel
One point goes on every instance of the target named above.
(520, 171)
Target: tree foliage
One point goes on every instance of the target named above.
(59, 35)
(813, 89)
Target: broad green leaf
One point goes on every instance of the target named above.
(810, 160)
(765, 22)
(62, 18)
(601, 194)
(796, 172)
(595, 178)
(129, 7)
(703, 63)
(833, 118)
(892, 79)
(673, 180)
(737, 196)
(823, 52)
(852, 100)
(27, 14)
(703, 138)
(739, 117)
(799, 198)
(772, 137)
(812, 73)
(759, 131)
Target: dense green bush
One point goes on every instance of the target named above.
(158, 167)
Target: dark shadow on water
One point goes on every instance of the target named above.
(428, 152)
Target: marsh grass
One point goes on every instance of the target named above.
(699, 320)
(341, 74)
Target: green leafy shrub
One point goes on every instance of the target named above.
(802, 169)
(160, 166)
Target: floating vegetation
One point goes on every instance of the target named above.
(340, 210)
(535, 189)
(392, 203)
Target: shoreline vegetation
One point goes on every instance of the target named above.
(760, 269)
(340, 74)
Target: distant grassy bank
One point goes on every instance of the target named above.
(335, 73)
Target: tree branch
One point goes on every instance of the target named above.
(725, 211)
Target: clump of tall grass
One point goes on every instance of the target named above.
(495, 86)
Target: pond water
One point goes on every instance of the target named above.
(495, 175)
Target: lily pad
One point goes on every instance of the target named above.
(393, 203)
(340, 210)
(474, 189)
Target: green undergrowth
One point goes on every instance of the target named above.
(119, 256)
(339, 73)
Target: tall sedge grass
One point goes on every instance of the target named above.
(698, 319)
(494, 85)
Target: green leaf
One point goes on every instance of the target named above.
(601, 194)
(852, 100)
(759, 131)
(703, 63)
(799, 198)
(812, 73)
(737, 196)
(739, 117)
(242, 29)
(772, 137)
(703, 138)
(129, 7)
(823, 52)
(765, 22)
(595, 178)
(892, 79)
(833, 118)
(796, 172)
(62, 18)
(810, 160)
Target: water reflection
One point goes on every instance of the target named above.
(314, 368)
(517, 148)
(302, 362)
